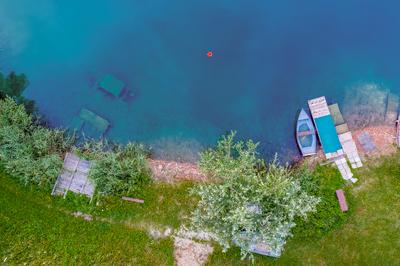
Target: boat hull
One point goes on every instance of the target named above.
(305, 134)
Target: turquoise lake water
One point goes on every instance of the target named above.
(269, 58)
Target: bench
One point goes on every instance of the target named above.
(342, 200)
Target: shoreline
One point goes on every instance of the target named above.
(383, 136)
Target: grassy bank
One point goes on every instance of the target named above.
(37, 228)
(370, 235)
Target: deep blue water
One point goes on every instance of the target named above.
(269, 58)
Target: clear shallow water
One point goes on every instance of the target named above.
(269, 58)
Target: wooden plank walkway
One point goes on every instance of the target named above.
(350, 149)
(345, 137)
(74, 177)
(318, 107)
(344, 169)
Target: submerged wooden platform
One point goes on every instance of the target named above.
(74, 177)
(398, 131)
(111, 85)
(90, 123)
(392, 108)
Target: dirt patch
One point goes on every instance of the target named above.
(187, 252)
(157, 233)
(383, 136)
(171, 171)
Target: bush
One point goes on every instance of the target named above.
(248, 201)
(118, 169)
(33, 154)
(29, 152)
(322, 183)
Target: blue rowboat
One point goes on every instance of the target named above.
(305, 134)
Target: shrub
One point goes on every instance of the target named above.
(118, 169)
(248, 201)
(29, 152)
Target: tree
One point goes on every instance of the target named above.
(13, 85)
(248, 201)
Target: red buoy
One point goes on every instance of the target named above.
(210, 54)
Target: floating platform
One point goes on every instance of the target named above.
(325, 128)
(74, 177)
(111, 85)
(345, 136)
(90, 123)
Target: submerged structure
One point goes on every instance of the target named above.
(74, 177)
(398, 131)
(111, 85)
(89, 123)
(392, 108)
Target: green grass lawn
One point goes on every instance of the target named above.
(36, 228)
(370, 235)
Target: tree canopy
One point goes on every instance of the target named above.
(248, 201)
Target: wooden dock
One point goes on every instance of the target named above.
(344, 169)
(74, 177)
(345, 137)
(325, 127)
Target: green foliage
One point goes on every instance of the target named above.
(13, 86)
(118, 169)
(29, 152)
(323, 183)
(249, 202)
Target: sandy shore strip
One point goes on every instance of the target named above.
(171, 171)
(383, 136)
